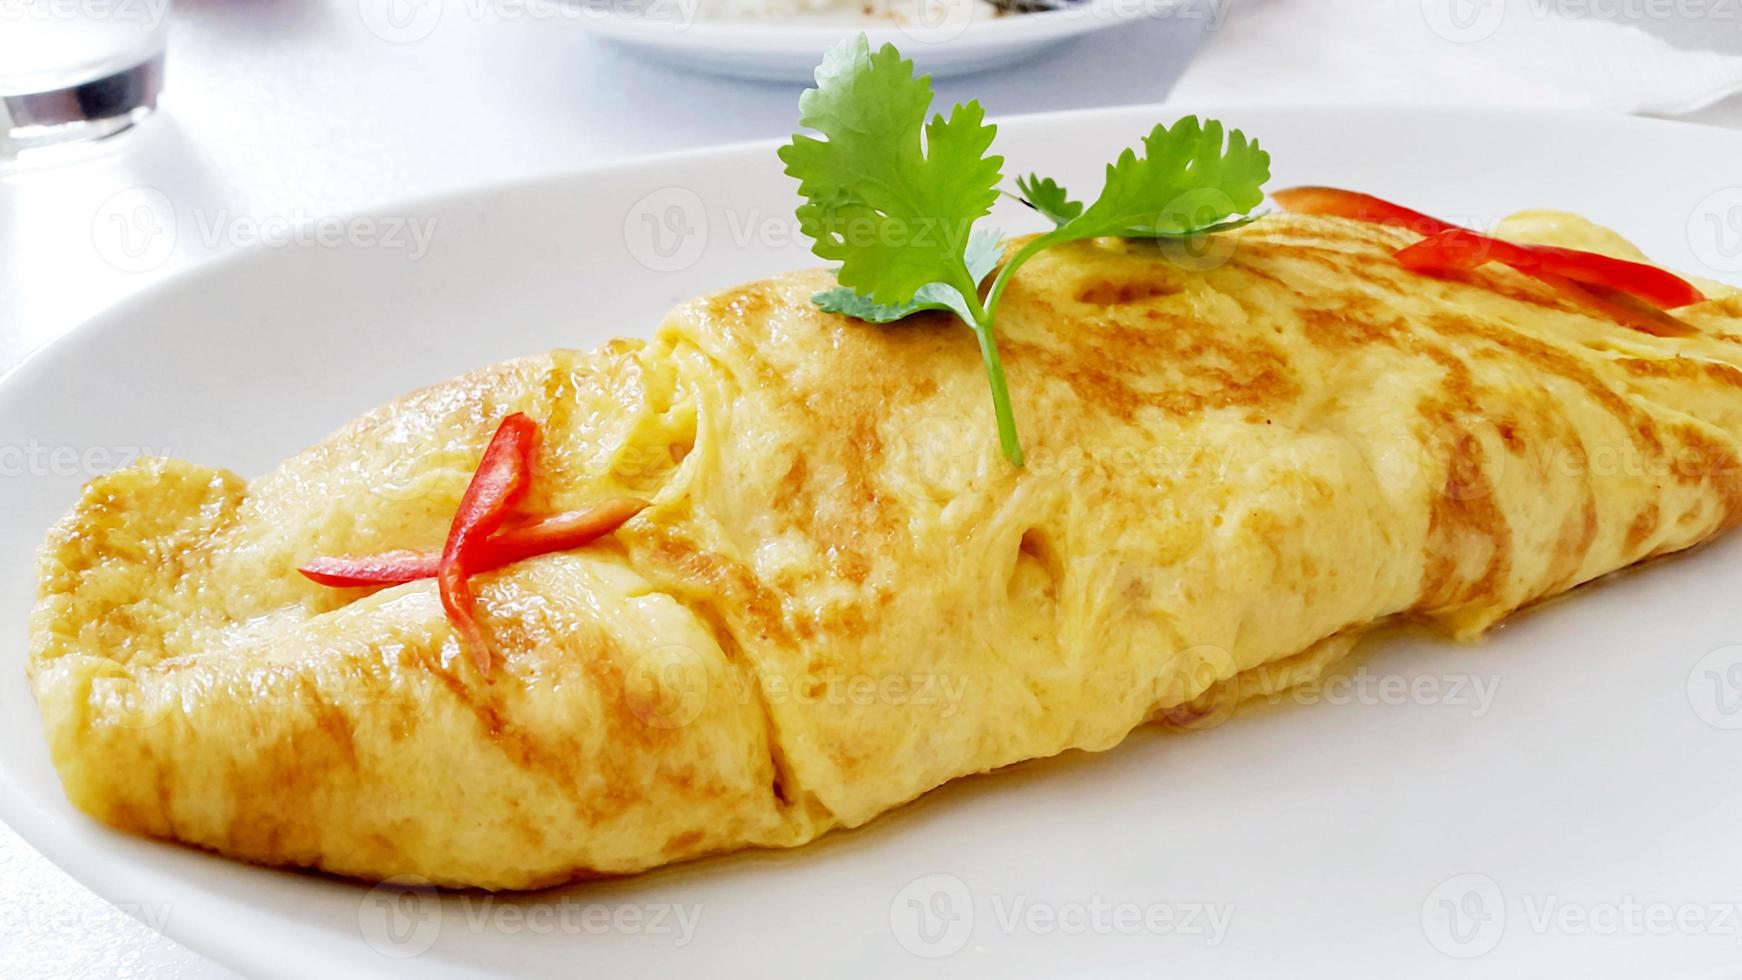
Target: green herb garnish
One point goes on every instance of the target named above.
(894, 198)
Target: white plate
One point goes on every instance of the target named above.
(1601, 771)
(964, 40)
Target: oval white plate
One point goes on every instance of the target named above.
(1494, 810)
(788, 49)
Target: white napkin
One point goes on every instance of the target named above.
(1488, 52)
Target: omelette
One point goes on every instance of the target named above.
(840, 594)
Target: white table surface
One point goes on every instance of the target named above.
(284, 111)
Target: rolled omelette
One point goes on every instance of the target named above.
(842, 595)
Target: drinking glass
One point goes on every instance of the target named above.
(73, 70)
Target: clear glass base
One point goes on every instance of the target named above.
(93, 110)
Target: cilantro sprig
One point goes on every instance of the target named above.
(894, 197)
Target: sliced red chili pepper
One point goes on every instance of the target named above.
(1629, 311)
(501, 478)
(1600, 282)
(1336, 203)
(480, 538)
(387, 568)
(511, 544)
(559, 532)
(1460, 249)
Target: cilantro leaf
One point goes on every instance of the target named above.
(889, 195)
(983, 252)
(1046, 196)
(1186, 182)
(1190, 181)
(893, 198)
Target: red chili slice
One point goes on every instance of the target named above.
(558, 532)
(1457, 249)
(387, 568)
(1626, 310)
(501, 478)
(1332, 202)
(514, 543)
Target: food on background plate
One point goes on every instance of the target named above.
(815, 549)
(919, 13)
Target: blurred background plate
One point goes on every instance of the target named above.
(963, 39)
